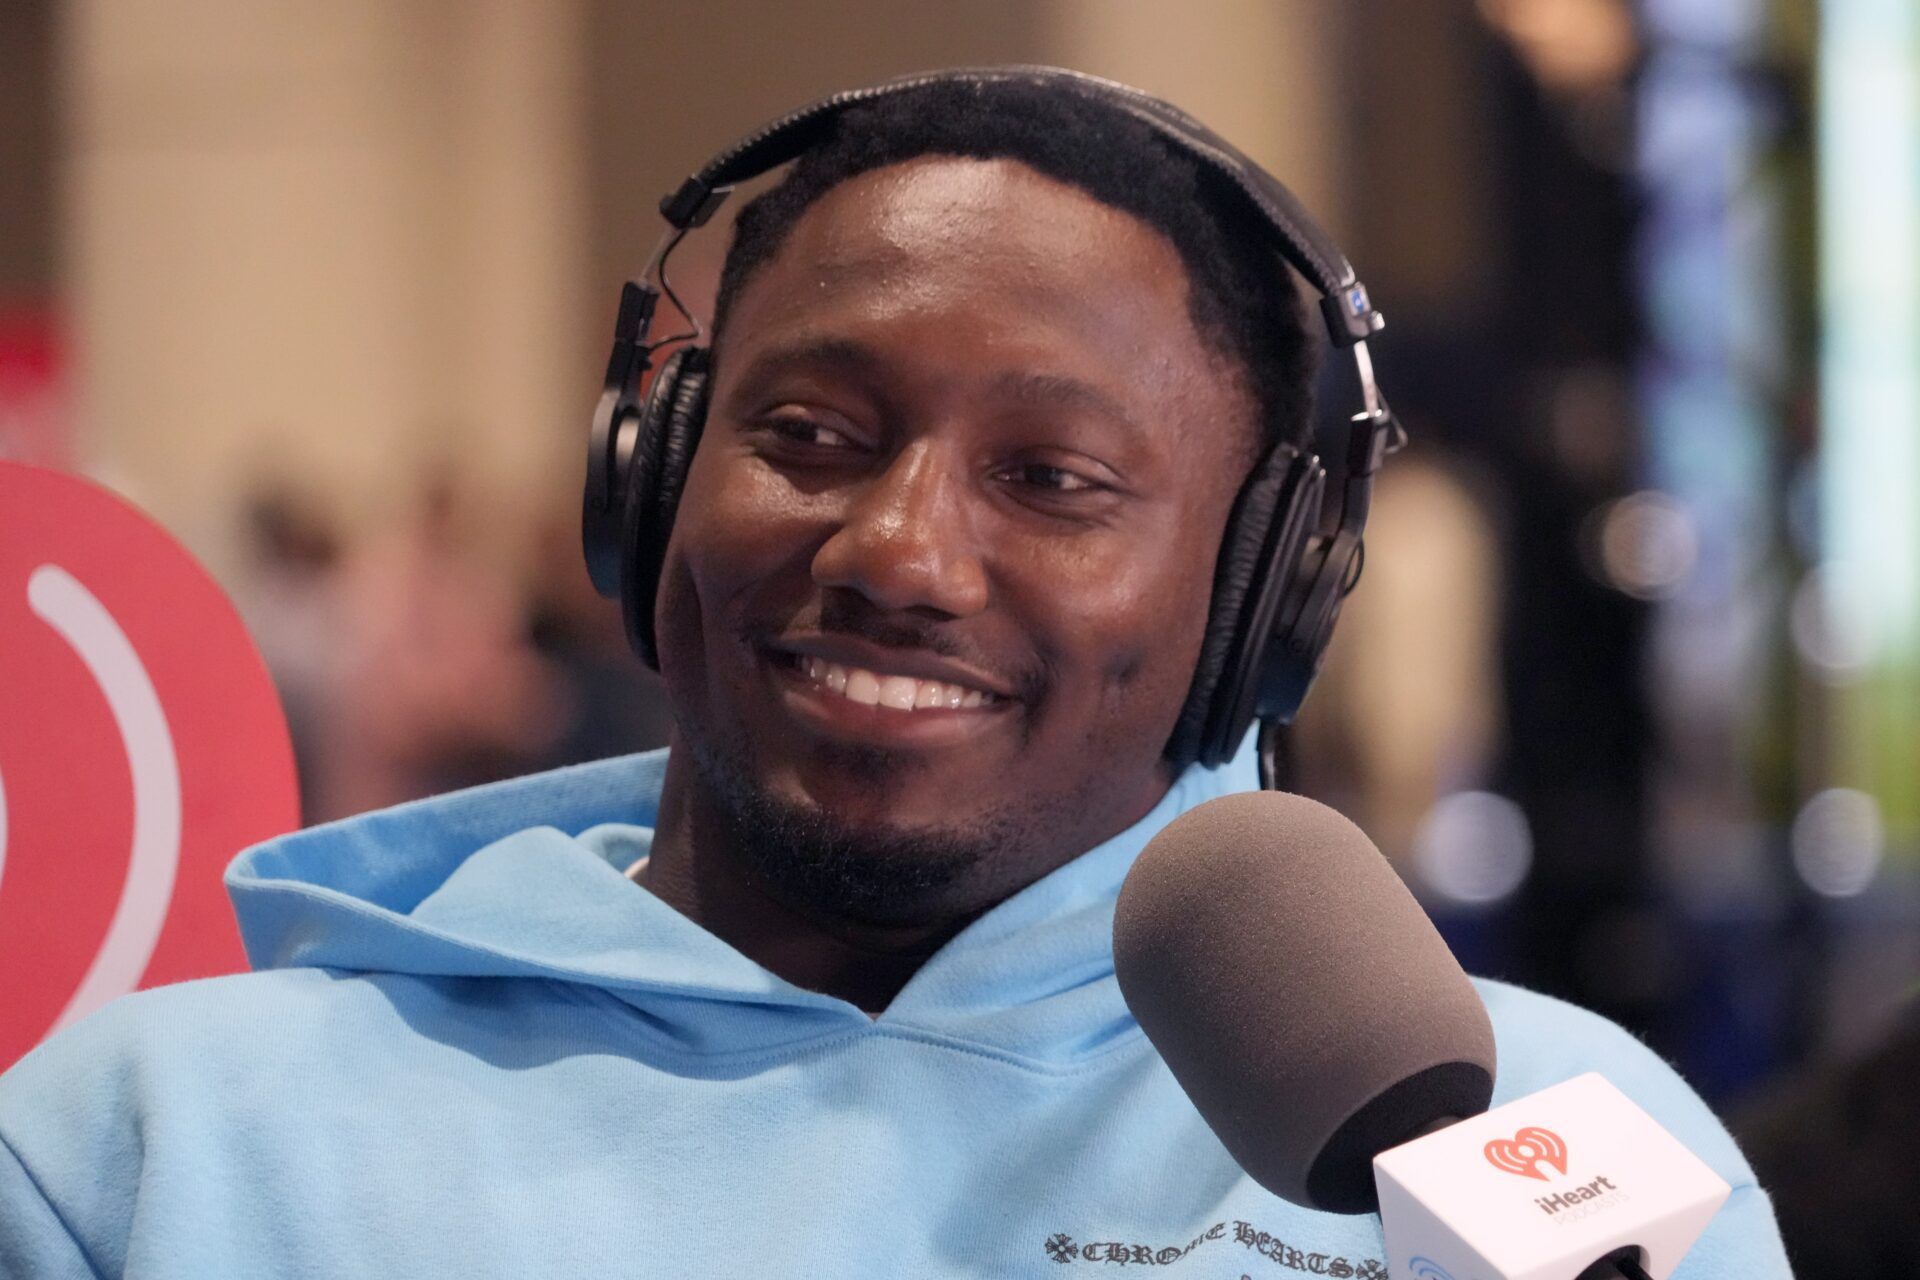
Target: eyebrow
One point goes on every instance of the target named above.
(1022, 386)
(1048, 390)
(841, 355)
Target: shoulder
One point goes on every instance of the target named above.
(153, 1032)
(1542, 1041)
(81, 1113)
(1545, 1039)
(228, 1052)
(204, 1044)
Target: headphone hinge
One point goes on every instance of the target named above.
(1350, 315)
(1370, 438)
(630, 358)
(692, 203)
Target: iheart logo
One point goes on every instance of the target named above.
(141, 747)
(1526, 1151)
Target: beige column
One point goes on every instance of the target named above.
(1264, 74)
(520, 366)
(322, 240)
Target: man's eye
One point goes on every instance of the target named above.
(792, 429)
(1039, 475)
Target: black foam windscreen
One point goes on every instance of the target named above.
(1298, 993)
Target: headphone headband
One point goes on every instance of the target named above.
(1345, 304)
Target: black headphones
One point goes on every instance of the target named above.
(1279, 580)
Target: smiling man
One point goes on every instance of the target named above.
(937, 586)
(827, 988)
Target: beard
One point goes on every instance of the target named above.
(872, 873)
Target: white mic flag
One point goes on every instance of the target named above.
(1543, 1187)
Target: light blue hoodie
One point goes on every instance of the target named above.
(473, 1048)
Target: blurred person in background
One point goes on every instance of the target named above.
(288, 595)
(434, 685)
(609, 706)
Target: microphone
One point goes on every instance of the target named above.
(1321, 1027)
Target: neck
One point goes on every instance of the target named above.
(694, 869)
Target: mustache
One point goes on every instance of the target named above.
(862, 620)
(849, 614)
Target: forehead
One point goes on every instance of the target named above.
(972, 210)
(1011, 256)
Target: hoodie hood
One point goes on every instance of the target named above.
(525, 880)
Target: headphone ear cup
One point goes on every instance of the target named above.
(1260, 560)
(670, 426)
(602, 515)
(1244, 565)
(1328, 572)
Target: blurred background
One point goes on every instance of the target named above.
(1631, 691)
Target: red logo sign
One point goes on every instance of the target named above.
(141, 747)
(1526, 1151)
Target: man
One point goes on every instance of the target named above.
(827, 988)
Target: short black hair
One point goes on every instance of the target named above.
(1241, 296)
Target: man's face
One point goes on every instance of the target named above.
(938, 583)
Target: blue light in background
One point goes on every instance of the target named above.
(1869, 202)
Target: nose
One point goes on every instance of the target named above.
(906, 541)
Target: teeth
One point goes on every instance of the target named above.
(863, 687)
(901, 693)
